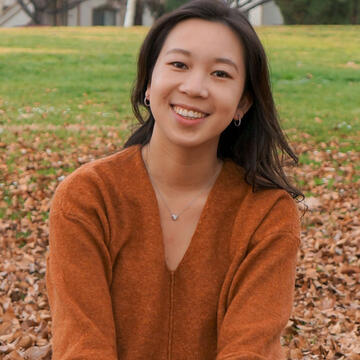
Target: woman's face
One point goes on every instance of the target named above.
(197, 83)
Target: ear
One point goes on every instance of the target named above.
(244, 105)
(147, 92)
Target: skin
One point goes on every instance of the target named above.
(201, 66)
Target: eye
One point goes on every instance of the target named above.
(178, 64)
(221, 74)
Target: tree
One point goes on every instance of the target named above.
(171, 5)
(320, 11)
(159, 7)
(130, 13)
(156, 7)
(135, 10)
(39, 9)
(244, 5)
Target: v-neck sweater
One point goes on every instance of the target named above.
(112, 296)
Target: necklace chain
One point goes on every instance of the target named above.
(173, 215)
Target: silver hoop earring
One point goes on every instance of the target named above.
(237, 122)
(146, 101)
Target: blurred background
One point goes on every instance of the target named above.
(143, 12)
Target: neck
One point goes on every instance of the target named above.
(179, 167)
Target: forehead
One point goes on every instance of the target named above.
(206, 38)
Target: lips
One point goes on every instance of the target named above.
(188, 111)
(194, 118)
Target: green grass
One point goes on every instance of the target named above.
(315, 72)
(64, 75)
(84, 76)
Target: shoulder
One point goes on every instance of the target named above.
(279, 219)
(264, 211)
(264, 199)
(88, 184)
(280, 212)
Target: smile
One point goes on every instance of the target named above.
(191, 114)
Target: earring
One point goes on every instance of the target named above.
(146, 101)
(237, 122)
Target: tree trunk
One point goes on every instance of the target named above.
(355, 12)
(130, 13)
(140, 8)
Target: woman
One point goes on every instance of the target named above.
(183, 245)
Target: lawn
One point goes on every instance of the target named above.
(64, 101)
(63, 75)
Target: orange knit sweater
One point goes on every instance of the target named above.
(112, 296)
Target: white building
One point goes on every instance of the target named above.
(84, 13)
(112, 13)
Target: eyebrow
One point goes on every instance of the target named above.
(219, 60)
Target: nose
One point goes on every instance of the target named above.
(194, 84)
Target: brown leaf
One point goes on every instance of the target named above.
(38, 353)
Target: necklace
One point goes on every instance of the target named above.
(173, 215)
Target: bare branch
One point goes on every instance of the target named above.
(252, 4)
(64, 8)
(27, 10)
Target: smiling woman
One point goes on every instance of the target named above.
(183, 244)
(189, 76)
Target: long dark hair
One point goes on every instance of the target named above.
(258, 145)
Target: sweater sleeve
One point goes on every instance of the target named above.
(78, 277)
(261, 294)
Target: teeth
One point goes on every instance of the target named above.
(189, 113)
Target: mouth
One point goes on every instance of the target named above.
(189, 113)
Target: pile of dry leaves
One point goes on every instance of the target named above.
(325, 323)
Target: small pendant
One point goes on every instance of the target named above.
(174, 217)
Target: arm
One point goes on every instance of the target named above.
(261, 294)
(78, 278)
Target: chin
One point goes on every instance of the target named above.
(187, 141)
(186, 138)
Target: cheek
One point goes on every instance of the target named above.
(160, 76)
(232, 99)
(159, 86)
(228, 102)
